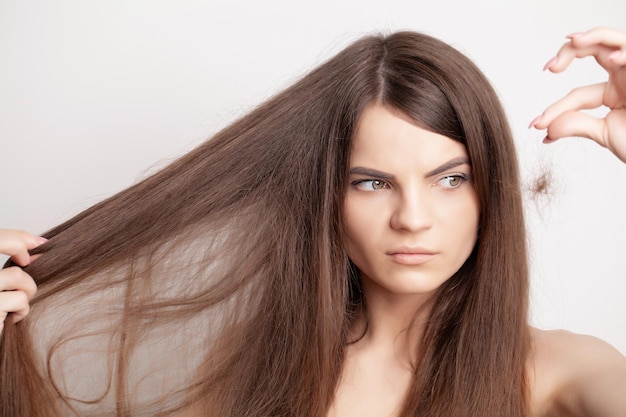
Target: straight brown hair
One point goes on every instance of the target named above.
(220, 286)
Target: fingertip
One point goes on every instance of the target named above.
(538, 122)
(574, 35)
(23, 259)
(550, 63)
(17, 317)
(33, 240)
(534, 122)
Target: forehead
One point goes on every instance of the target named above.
(388, 139)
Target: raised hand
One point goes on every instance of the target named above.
(564, 117)
(17, 288)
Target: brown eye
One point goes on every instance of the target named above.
(370, 185)
(377, 184)
(452, 181)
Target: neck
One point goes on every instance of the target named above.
(393, 322)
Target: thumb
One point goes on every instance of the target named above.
(574, 123)
(606, 132)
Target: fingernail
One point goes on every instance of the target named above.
(574, 35)
(535, 121)
(42, 240)
(550, 63)
(547, 140)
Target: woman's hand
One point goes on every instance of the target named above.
(17, 288)
(564, 118)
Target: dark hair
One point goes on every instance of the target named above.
(220, 285)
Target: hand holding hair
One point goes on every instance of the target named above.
(17, 288)
(564, 117)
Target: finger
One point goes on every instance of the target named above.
(607, 45)
(14, 279)
(17, 243)
(612, 38)
(609, 132)
(587, 97)
(566, 54)
(603, 54)
(615, 133)
(573, 123)
(16, 303)
(618, 57)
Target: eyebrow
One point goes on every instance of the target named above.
(453, 163)
(369, 172)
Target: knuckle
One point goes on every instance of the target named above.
(14, 278)
(31, 289)
(13, 273)
(21, 299)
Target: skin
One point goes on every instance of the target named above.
(411, 217)
(569, 375)
(16, 287)
(404, 193)
(564, 117)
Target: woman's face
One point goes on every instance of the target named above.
(411, 212)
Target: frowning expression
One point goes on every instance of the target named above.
(411, 212)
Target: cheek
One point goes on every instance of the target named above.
(459, 219)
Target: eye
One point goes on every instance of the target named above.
(370, 185)
(452, 181)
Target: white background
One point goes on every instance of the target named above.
(96, 94)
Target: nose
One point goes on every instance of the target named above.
(412, 212)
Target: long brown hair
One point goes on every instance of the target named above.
(220, 286)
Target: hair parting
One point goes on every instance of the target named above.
(220, 286)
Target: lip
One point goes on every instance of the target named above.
(411, 255)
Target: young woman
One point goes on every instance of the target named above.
(354, 246)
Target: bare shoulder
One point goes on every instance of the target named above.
(562, 345)
(573, 374)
